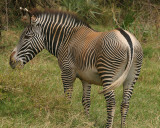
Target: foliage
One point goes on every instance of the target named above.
(88, 9)
(122, 12)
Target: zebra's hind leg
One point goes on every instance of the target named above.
(128, 87)
(86, 96)
(125, 104)
(110, 99)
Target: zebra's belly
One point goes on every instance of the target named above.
(90, 75)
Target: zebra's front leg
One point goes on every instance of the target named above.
(110, 99)
(86, 96)
(68, 77)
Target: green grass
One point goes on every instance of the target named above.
(33, 96)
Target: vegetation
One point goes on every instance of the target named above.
(33, 96)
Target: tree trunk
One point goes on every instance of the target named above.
(6, 14)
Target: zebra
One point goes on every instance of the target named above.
(108, 59)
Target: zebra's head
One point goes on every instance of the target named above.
(30, 44)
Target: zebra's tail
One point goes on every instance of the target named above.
(122, 78)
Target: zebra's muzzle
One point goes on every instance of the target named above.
(15, 63)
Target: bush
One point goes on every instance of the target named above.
(88, 9)
(139, 17)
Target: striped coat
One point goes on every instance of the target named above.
(108, 59)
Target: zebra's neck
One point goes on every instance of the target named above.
(58, 29)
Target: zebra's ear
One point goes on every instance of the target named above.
(33, 18)
(27, 16)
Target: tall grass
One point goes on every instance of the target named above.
(33, 96)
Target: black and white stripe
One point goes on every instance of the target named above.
(108, 59)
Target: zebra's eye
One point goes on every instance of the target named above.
(27, 36)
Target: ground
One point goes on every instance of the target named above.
(33, 96)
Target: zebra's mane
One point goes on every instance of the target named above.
(47, 11)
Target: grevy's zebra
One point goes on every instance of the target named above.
(102, 58)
